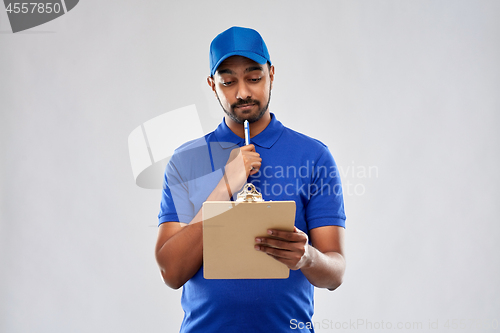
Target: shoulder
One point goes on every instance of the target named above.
(304, 147)
(303, 140)
(190, 150)
(193, 144)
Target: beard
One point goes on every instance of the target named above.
(252, 119)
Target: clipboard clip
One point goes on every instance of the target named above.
(249, 194)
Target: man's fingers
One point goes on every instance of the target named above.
(289, 258)
(292, 236)
(249, 147)
(245, 162)
(277, 253)
(252, 154)
(254, 169)
(252, 161)
(288, 247)
(276, 243)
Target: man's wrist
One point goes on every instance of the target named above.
(309, 257)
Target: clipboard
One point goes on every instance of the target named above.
(229, 231)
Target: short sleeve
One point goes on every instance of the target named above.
(188, 181)
(326, 202)
(173, 186)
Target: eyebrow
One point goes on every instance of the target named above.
(249, 69)
(253, 68)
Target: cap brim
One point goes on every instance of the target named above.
(250, 55)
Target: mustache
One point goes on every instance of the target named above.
(245, 101)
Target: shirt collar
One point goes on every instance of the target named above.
(265, 139)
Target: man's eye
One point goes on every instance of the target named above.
(255, 80)
(225, 84)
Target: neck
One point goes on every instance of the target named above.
(255, 127)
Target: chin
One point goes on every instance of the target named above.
(252, 117)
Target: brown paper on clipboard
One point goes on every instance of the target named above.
(229, 231)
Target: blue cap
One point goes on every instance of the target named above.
(238, 41)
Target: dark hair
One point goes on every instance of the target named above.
(268, 68)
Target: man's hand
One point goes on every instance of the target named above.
(242, 163)
(322, 262)
(290, 248)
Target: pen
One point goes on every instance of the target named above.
(247, 132)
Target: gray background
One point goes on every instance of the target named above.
(408, 87)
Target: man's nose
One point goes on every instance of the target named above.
(243, 91)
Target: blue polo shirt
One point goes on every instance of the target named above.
(294, 167)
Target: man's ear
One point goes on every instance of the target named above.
(211, 83)
(271, 75)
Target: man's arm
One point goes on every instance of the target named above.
(322, 263)
(179, 251)
(179, 247)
